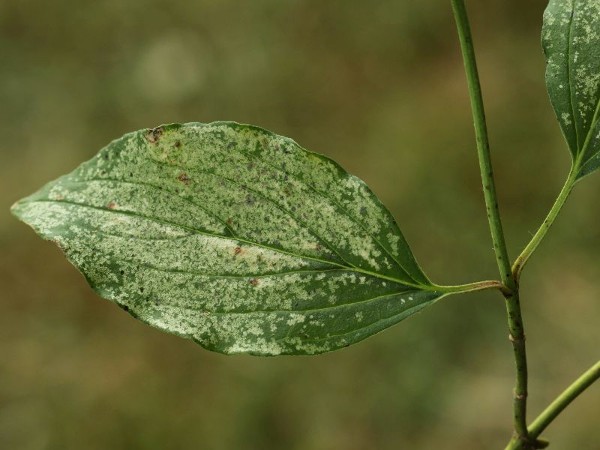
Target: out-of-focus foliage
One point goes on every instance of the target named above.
(379, 87)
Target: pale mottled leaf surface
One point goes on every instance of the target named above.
(234, 237)
(571, 41)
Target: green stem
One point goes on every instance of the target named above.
(517, 338)
(513, 308)
(564, 400)
(483, 147)
(543, 229)
(556, 407)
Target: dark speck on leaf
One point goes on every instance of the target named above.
(183, 177)
(177, 144)
(237, 251)
(363, 211)
(254, 282)
(141, 289)
(154, 135)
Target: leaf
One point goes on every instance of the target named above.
(571, 41)
(234, 237)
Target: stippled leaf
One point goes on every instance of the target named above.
(571, 40)
(234, 237)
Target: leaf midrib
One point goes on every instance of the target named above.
(205, 233)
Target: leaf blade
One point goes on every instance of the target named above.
(571, 43)
(234, 237)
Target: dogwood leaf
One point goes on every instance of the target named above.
(234, 237)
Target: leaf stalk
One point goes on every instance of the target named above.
(537, 238)
(471, 287)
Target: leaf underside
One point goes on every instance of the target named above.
(571, 41)
(234, 237)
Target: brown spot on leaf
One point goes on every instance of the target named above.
(154, 135)
(237, 251)
(254, 281)
(184, 178)
(111, 205)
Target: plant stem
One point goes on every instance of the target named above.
(513, 307)
(517, 338)
(564, 400)
(543, 229)
(558, 405)
(483, 147)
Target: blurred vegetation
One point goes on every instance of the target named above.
(379, 87)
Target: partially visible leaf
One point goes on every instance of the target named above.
(571, 41)
(234, 237)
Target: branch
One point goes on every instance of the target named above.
(513, 307)
(564, 400)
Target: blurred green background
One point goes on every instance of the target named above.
(379, 87)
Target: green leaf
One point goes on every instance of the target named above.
(571, 41)
(234, 237)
